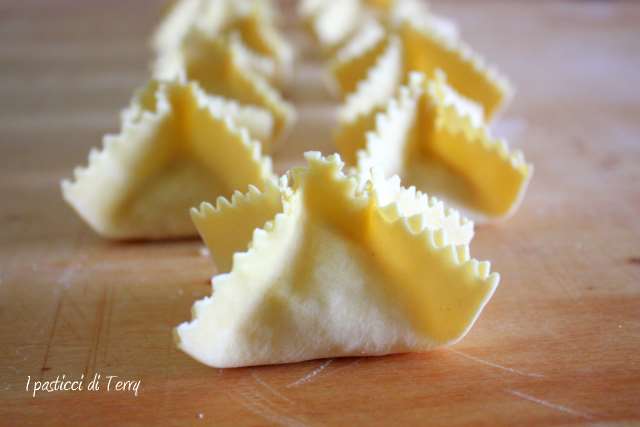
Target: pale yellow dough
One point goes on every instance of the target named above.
(331, 22)
(337, 265)
(437, 140)
(429, 43)
(252, 20)
(178, 146)
(219, 65)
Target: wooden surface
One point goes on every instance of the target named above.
(558, 344)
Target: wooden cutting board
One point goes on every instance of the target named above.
(558, 344)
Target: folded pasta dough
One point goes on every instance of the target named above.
(418, 12)
(183, 16)
(253, 20)
(429, 43)
(343, 264)
(358, 113)
(178, 146)
(436, 140)
(354, 60)
(331, 22)
(467, 72)
(219, 67)
(227, 227)
(254, 23)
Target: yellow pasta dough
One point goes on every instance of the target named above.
(429, 43)
(342, 264)
(252, 20)
(218, 66)
(331, 22)
(178, 146)
(436, 140)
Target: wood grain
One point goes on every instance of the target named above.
(559, 343)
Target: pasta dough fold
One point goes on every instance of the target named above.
(347, 264)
